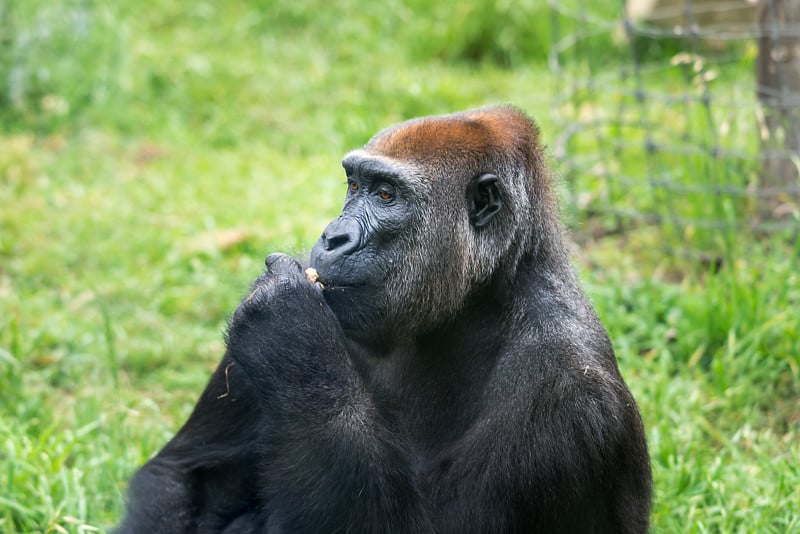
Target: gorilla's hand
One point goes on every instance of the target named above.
(283, 280)
(283, 332)
(320, 430)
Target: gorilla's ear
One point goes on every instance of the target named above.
(484, 199)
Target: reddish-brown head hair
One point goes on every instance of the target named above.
(461, 139)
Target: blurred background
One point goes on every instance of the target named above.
(153, 153)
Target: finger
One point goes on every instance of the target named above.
(282, 264)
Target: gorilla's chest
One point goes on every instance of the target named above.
(434, 400)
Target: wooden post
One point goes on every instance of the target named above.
(778, 78)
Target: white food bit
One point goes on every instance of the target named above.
(312, 276)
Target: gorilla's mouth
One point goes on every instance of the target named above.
(333, 281)
(327, 286)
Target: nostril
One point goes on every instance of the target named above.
(336, 241)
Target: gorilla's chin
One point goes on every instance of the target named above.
(362, 313)
(352, 305)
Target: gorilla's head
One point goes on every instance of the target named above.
(435, 207)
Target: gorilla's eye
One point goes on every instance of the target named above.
(353, 186)
(385, 195)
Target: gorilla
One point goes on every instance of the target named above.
(445, 373)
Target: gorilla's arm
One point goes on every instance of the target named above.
(203, 480)
(331, 462)
(568, 451)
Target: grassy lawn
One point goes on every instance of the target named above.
(153, 153)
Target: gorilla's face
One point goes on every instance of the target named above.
(360, 255)
(402, 256)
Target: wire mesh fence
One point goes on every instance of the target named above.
(683, 115)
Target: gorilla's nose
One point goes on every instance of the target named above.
(341, 237)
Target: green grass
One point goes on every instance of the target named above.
(150, 160)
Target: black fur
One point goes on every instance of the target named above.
(450, 377)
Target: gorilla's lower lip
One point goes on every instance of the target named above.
(332, 283)
(334, 286)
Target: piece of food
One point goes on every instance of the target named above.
(312, 276)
